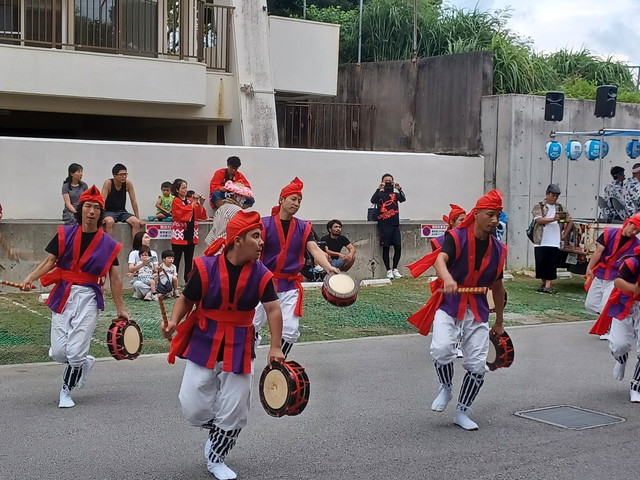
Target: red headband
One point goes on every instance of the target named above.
(635, 220)
(92, 195)
(490, 201)
(294, 188)
(455, 212)
(241, 223)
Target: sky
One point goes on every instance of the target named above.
(606, 28)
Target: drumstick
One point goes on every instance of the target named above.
(477, 290)
(13, 284)
(163, 312)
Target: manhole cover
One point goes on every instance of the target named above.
(566, 416)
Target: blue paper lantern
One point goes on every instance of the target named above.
(633, 149)
(592, 149)
(573, 150)
(554, 150)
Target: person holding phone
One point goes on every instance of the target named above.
(387, 196)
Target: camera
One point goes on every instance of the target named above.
(388, 187)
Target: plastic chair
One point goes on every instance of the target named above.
(619, 208)
(605, 210)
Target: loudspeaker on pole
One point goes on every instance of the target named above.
(606, 101)
(554, 106)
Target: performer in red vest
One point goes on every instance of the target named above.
(79, 258)
(217, 337)
(285, 240)
(456, 217)
(471, 256)
(612, 247)
(623, 306)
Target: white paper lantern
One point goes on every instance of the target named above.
(633, 149)
(554, 150)
(592, 149)
(573, 150)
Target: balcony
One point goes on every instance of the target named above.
(184, 30)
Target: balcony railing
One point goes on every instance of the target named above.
(183, 29)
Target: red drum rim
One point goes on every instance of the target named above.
(297, 389)
(116, 339)
(502, 349)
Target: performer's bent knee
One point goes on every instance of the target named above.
(478, 367)
(58, 353)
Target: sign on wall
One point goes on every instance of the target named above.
(432, 230)
(159, 231)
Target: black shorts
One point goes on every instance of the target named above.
(547, 262)
(390, 235)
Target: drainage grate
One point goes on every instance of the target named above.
(566, 416)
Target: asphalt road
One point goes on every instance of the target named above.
(368, 418)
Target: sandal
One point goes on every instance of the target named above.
(550, 290)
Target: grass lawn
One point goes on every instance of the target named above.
(24, 321)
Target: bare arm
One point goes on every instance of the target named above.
(595, 258)
(181, 307)
(106, 188)
(320, 257)
(46, 265)
(67, 202)
(274, 317)
(450, 285)
(625, 286)
(567, 228)
(351, 251)
(498, 300)
(116, 291)
(132, 197)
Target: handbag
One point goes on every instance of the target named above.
(530, 229)
(372, 213)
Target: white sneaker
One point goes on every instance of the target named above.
(605, 336)
(65, 398)
(88, 365)
(221, 471)
(442, 400)
(390, 274)
(618, 370)
(635, 396)
(462, 419)
(396, 273)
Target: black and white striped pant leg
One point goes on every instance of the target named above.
(71, 376)
(221, 443)
(621, 359)
(471, 385)
(635, 381)
(286, 347)
(444, 373)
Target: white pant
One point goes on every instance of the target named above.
(290, 321)
(625, 333)
(598, 294)
(207, 394)
(447, 332)
(140, 289)
(71, 330)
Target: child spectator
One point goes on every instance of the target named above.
(163, 204)
(144, 284)
(168, 276)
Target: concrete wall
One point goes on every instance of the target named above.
(432, 105)
(304, 55)
(28, 240)
(337, 183)
(72, 74)
(514, 135)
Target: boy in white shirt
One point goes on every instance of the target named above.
(167, 276)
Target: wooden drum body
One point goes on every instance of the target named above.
(501, 352)
(340, 289)
(284, 389)
(124, 339)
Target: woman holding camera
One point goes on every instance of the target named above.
(386, 197)
(186, 212)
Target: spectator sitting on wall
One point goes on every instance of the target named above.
(335, 242)
(217, 190)
(72, 188)
(632, 191)
(614, 190)
(115, 192)
(163, 204)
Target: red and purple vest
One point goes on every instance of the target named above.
(220, 323)
(620, 302)
(285, 257)
(465, 275)
(88, 270)
(613, 256)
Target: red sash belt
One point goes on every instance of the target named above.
(604, 320)
(296, 279)
(58, 274)
(199, 316)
